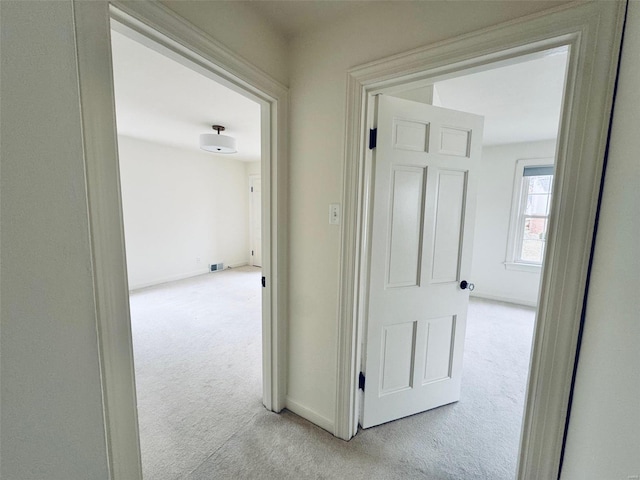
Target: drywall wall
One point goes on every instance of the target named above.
(495, 194)
(241, 29)
(51, 418)
(319, 64)
(252, 168)
(604, 429)
(183, 210)
(426, 94)
(51, 407)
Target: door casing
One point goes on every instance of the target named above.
(592, 31)
(158, 27)
(252, 240)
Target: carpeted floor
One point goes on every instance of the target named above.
(197, 351)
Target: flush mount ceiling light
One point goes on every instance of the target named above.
(216, 143)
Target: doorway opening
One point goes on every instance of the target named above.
(194, 278)
(446, 185)
(579, 160)
(155, 27)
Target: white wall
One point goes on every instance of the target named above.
(183, 210)
(52, 425)
(51, 417)
(604, 430)
(319, 63)
(252, 168)
(241, 29)
(495, 194)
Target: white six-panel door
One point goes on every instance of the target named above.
(422, 229)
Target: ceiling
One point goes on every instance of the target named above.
(520, 102)
(162, 101)
(292, 17)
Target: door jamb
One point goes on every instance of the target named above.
(593, 32)
(180, 40)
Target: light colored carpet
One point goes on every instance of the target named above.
(197, 352)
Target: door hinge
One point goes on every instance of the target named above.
(373, 138)
(361, 380)
(252, 189)
(252, 253)
(264, 282)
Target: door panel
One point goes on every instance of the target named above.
(438, 348)
(411, 135)
(454, 141)
(449, 210)
(421, 231)
(405, 229)
(397, 357)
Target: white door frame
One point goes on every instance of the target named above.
(252, 178)
(158, 27)
(593, 33)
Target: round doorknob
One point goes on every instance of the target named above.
(467, 285)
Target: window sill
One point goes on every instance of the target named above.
(523, 267)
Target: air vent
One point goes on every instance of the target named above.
(214, 267)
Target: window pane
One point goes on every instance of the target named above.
(532, 251)
(533, 239)
(537, 204)
(540, 183)
(535, 228)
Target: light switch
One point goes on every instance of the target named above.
(334, 214)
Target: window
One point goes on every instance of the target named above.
(532, 194)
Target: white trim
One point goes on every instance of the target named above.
(172, 278)
(252, 178)
(183, 276)
(501, 298)
(514, 238)
(593, 32)
(523, 267)
(107, 239)
(311, 415)
(234, 265)
(176, 37)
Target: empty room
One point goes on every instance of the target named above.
(193, 246)
(458, 261)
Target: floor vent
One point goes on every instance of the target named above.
(214, 267)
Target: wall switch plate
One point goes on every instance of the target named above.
(334, 214)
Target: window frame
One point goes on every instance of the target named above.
(519, 195)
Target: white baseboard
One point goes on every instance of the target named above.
(236, 265)
(308, 414)
(172, 278)
(502, 298)
(182, 276)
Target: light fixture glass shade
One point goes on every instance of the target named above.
(216, 143)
